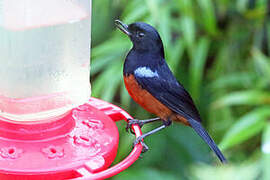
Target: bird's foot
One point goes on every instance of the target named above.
(140, 140)
(133, 122)
(139, 122)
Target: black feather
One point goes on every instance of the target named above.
(205, 136)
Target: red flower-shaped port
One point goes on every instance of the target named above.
(53, 152)
(10, 152)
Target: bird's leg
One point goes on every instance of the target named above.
(139, 139)
(139, 122)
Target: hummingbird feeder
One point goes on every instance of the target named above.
(50, 127)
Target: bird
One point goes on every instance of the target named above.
(151, 84)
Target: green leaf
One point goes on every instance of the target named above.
(266, 152)
(242, 5)
(208, 16)
(113, 80)
(234, 172)
(98, 64)
(250, 97)
(187, 26)
(197, 66)
(236, 80)
(186, 7)
(165, 27)
(153, 7)
(98, 85)
(174, 55)
(268, 35)
(262, 63)
(135, 11)
(145, 173)
(125, 98)
(113, 45)
(246, 127)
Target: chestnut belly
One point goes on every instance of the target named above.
(149, 102)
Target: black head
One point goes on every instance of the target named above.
(143, 36)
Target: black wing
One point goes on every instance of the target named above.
(169, 92)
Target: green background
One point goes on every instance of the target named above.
(219, 50)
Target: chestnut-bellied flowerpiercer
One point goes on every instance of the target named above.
(151, 84)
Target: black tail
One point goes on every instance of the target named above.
(205, 136)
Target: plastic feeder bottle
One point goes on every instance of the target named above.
(50, 128)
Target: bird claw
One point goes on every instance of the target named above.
(140, 140)
(133, 122)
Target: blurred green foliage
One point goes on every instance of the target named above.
(219, 50)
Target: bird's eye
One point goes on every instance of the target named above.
(140, 34)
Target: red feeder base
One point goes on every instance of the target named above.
(80, 145)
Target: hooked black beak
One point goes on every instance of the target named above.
(123, 27)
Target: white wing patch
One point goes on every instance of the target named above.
(145, 72)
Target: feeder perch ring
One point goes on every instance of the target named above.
(116, 114)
